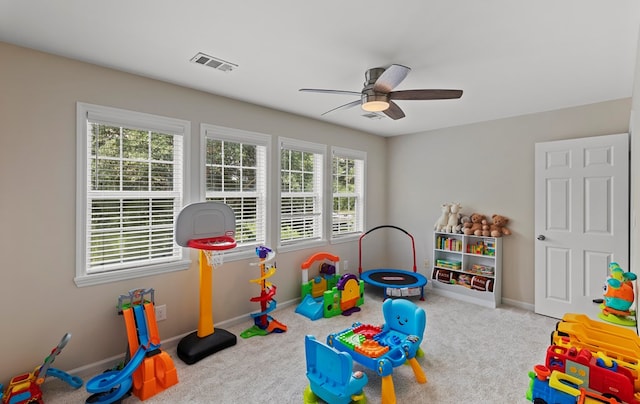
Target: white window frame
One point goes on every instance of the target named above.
(208, 131)
(360, 160)
(320, 151)
(134, 120)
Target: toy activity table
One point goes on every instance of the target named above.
(382, 348)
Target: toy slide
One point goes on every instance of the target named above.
(601, 340)
(602, 327)
(116, 382)
(310, 307)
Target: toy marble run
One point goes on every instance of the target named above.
(148, 370)
(25, 388)
(329, 293)
(263, 322)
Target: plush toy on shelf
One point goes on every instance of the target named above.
(463, 219)
(498, 226)
(441, 223)
(454, 217)
(474, 227)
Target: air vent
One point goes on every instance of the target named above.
(218, 64)
(373, 115)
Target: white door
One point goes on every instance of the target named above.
(581, 221)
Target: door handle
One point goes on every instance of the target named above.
(541, 237)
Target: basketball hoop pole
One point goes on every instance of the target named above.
(205, 322)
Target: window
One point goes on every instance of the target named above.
(235, 164)
(301, 190)
(347, 178)
(131, 186)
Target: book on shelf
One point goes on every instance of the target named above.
(448, 243)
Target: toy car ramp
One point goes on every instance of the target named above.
(595, 340)
(603, 327)
(119, 381)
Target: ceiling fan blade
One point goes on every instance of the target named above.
(425, 94)
(394, 112)
(390, 78)
(345, 106)
(320, 90)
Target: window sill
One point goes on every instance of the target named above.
(114, 276)
(302, 245)
(346, 239)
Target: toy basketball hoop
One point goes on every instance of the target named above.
(213, 248)
(209, 227)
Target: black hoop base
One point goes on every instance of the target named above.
(192, 348)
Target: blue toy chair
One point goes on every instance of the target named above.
(403, 317)
(330, 375)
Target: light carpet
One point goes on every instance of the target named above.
(473, 354)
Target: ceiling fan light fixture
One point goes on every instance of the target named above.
(374, 103)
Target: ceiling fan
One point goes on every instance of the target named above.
(376, 96)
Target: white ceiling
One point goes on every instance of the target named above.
(511, 57)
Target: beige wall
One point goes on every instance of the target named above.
(489, 168)
(39, 300)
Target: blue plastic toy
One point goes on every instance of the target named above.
(331, 376)
(383, 348)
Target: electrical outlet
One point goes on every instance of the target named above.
(161, 312)
(426, 262)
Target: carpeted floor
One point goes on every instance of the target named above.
(472, 355)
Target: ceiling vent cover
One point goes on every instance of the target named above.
(218, 64)
(373, 115)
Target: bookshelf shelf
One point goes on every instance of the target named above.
(468, 268)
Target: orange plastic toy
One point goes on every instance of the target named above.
(148, 370)
(157, 371)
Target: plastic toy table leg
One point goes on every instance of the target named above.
(388, 392)
(421, 377)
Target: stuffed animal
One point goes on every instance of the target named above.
(442, 221)
(454, 217)
(463, 219)
(498, 226)
(486, 229)
(474, 227)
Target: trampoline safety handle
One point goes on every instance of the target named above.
(413, 245)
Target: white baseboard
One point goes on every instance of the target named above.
(518, 304)
(87, 371)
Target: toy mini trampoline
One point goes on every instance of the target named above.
(394, 282)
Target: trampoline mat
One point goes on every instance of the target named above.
(393, 278)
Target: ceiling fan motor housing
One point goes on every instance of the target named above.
(372, 75)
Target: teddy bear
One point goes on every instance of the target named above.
(498, 226)
(460, 227)
(475, 225)
(485, 230)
